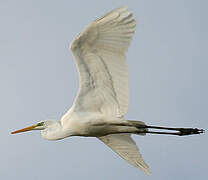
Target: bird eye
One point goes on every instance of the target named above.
(40, 124)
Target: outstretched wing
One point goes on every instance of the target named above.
(125, 147)
(99, 52)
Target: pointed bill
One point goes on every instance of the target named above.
(24, 129)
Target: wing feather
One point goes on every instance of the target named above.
(99, 52)
(126, 148)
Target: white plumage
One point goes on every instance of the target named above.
(126, 148)
(100, 56)
(102, 100)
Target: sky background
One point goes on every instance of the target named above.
(168, 72)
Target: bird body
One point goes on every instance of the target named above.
(89, 125)
(102, 101)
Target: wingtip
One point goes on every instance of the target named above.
(148, 172)
(123, 7)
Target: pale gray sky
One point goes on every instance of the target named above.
(168, 86)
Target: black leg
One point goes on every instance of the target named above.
(181, 131)
(174, 133)
(166, 133)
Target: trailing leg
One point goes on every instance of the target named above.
(139, 127)
(180, 131)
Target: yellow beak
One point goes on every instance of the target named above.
(24, 129)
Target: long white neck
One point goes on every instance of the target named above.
(54, 131)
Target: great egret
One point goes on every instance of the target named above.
(102, 100)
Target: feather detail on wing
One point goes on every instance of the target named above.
(99, 52)
(126, 148)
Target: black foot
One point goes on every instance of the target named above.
(189, 131)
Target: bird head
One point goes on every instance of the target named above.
(51, 130)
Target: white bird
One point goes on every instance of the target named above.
(102, 101)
